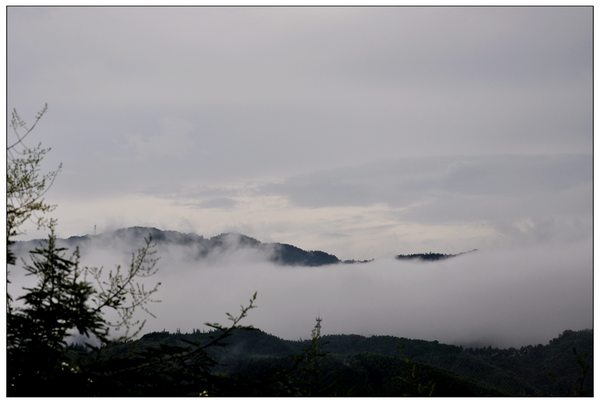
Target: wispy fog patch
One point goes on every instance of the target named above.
(407, 181)
(195, 104)
(509, 297)
(221, 202)
(521, 198)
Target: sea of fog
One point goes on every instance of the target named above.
(509, 297)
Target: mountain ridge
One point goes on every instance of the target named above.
(283, 254)
(279, 253)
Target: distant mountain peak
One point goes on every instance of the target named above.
(278, 253)
(431, 256)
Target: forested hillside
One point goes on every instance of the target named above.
(254, 363)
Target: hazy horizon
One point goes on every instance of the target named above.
(363, 132)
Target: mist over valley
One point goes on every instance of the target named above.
(398, 199)
(504, 297)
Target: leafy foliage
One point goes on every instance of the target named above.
(68, 300)
(26, 184)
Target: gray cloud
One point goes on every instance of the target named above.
(282, 91)
(362, 129)
(412, 180)
(222, 202)
(522, 197)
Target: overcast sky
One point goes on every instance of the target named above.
(364, 132)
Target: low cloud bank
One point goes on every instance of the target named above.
(509, 297)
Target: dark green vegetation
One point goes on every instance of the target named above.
(254, 363)
(430, 256)
(67, 300)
